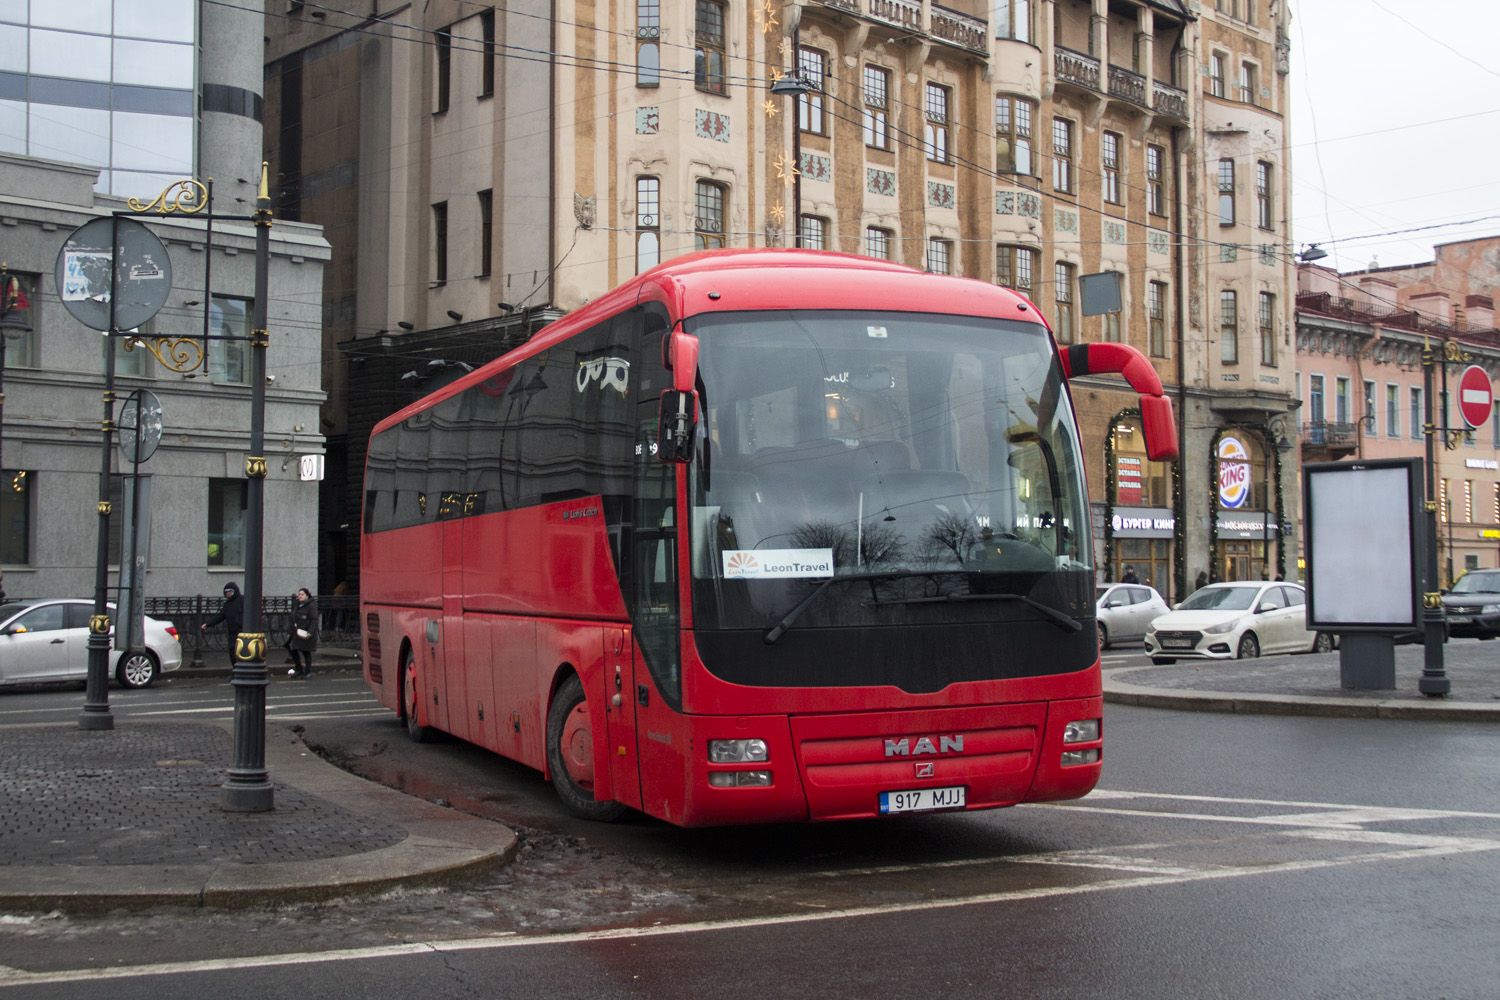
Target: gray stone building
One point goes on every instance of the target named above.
(176, 95)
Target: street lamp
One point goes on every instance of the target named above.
(793, 86)
(1434, 681)
(13, 326)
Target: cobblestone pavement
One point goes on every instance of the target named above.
(149, 794)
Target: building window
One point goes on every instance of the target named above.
(1226, 192)
(939, 256)
(1229, 324)
(1268, 328)
(1112, 327)
(1062, 280)
(1341, 400)
(1369, 407)
(878, 242)
(647, 223)
(487, 59)
(229, 316)
(813, 231)
(1248, 89)
(708, 61)
(440, 242)
(936, 134)
(1315, 411)
(1013, 117)
(15, 516)
(1156, 202)
(226, 521)
(1418, 418)
(647, 43)
(1263, 211)
(1216, 75)
(709, 215)
(1062, 155)
(1015, 268)
(21, 303)
(1013, 20)
(813, 66)
(1109, 147)
(486, 232)
(1156, 311)
(444, 68)
(1392, 410)
(877, 98)
(1495, 427)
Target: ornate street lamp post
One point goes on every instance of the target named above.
(1434, 681)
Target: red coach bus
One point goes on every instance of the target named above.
(759, 536)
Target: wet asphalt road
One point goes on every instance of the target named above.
(1233, 856)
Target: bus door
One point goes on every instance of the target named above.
(620, 718)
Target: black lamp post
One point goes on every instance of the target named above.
(1434, 681)
(794, 86)
(13, 326)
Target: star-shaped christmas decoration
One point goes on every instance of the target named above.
(786, 45)
(785, 168)
(778, 214)
(771, 109)
(766, 15)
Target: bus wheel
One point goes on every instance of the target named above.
(418, 733)
(570, 755)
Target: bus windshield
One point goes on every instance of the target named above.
(903, 465)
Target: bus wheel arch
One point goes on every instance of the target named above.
(570, 752)
(408, 696)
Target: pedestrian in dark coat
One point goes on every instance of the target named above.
(232, 615)
(304, 634)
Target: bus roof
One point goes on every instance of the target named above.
(713, 281)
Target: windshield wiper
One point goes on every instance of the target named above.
(1061, 619)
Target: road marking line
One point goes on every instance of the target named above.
(15, 977)
(1110, 793)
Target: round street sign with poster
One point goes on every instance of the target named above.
(140, 425)
(142, 274)
(1476, 400)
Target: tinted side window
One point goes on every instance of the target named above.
(47, 618)
(1294, 597)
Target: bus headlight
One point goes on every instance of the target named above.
(1081, 731)
(739, 779)
(737, 751)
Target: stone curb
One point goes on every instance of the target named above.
(442, 846)
(1120, 692)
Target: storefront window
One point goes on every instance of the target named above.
(1139, 482)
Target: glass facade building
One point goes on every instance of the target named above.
(105, 83)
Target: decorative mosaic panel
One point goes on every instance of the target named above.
(712, 125)
(1268, 254)
(941, 195)
(1065, 221)
(816, 167)
(1029, 205)
(1005, 203)
(1228, 253)
(1114, 232)
(880, 181)
(647, 121)
(1157, 242)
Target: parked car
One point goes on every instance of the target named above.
(43, 641)
(1236, 620)
(1472, 607)
(1124, 610)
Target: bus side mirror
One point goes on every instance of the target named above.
(1159, 429)
(680, 355)
(676, 425)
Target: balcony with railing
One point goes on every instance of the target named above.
(923, 20)
(1127, 85)
(901, 13)
(960, 29)
(1169, 101)
(1076, 69)
(1327, 438)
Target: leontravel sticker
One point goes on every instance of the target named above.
(777, 564)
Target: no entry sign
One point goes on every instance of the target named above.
(1476, 400)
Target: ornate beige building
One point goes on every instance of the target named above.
(479, 169)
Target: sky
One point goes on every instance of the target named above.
(1395, 125)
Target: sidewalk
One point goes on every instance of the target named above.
(130, 818)
(1309, 685)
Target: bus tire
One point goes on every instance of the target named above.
(418, 733)
(570, 755)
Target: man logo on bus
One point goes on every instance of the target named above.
(741, 564)
(1234, 473)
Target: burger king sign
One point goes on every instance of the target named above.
(1234, 473)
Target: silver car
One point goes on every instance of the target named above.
(1124, 610)
(44, 641)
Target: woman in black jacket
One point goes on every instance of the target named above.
(304, 637)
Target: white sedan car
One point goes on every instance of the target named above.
(1236, 620)
(1125, 610)
(45, 641)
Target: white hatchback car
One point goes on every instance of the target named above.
(1125, 610)
(1236, 620)
(45, 641)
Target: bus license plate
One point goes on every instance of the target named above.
(922, 800)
